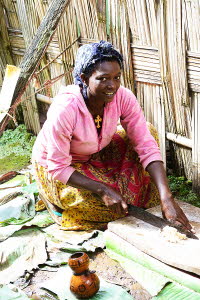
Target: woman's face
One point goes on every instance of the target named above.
(104, 81)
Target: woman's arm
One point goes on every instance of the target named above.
(170, 209)
(134, 123)
(111, 198)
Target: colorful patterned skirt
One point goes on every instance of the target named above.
(118, 166)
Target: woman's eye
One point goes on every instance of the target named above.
(105, 78)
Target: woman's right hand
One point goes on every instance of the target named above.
(110, 197)
(113, 200)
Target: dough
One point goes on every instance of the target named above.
(172, 235)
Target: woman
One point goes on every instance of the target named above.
(87, 169)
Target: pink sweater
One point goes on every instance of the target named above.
(69, 134)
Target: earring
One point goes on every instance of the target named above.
(84, 91)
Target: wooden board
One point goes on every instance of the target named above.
(10, 80)
(147, 238)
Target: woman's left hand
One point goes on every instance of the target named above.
(170, 209)
(173, 213)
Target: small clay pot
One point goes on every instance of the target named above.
(79, 262)
(84, 283)
(84, 286)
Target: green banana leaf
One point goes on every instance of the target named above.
(120, 246)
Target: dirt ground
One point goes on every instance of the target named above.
(111, 270)
(105, 267)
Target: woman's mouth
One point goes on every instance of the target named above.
(110, 94)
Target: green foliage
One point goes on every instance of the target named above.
(15, 149)
(17, 141)
(182, 189)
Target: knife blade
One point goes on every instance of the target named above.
(156, 221)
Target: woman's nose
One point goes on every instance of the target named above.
(111, 84)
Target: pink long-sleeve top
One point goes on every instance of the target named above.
(69, 134)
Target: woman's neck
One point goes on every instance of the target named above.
(95, 106)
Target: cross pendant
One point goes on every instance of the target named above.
(98, 120)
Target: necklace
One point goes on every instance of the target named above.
(97, 119)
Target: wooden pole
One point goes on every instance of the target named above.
(43, 98)
(36, 49)
(178, 139)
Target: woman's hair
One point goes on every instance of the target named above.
(90, 55)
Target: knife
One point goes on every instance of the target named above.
(155, 221)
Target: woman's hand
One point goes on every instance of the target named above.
(173, 213)
(113, 200)
(170, 209)
(110, 197)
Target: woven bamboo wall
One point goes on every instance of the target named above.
(160, 42)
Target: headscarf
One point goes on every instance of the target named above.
(89, 54)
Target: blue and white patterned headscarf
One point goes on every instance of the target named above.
(89, 54)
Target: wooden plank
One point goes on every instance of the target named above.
(147, 238)
(9, 84)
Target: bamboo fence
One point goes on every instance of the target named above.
(160, 43)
